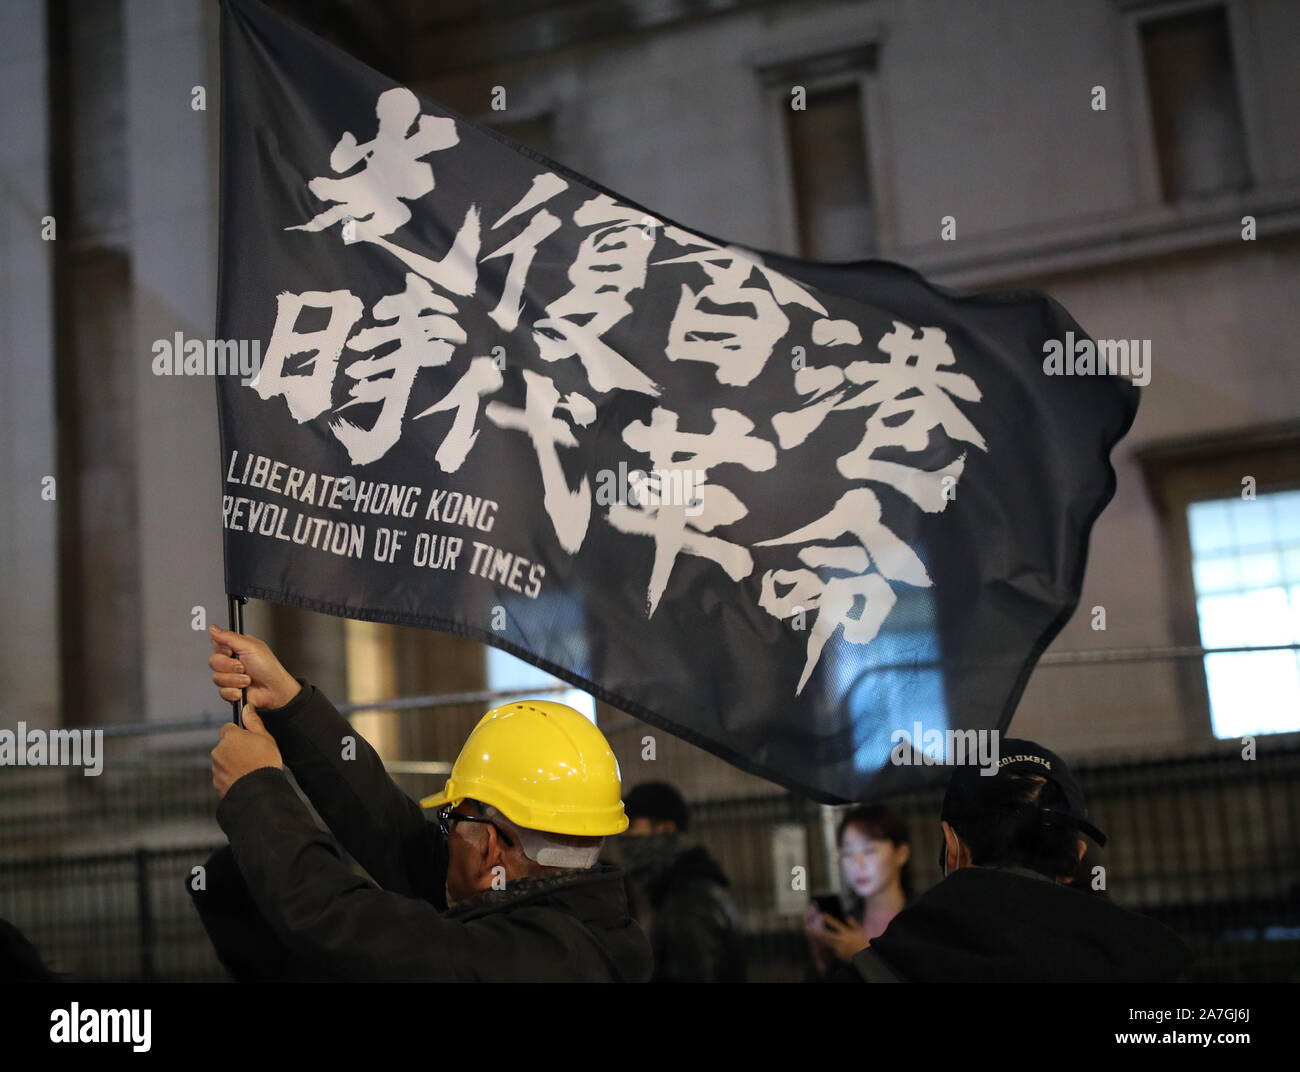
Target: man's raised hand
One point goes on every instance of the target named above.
(243, 750)
(240, 662)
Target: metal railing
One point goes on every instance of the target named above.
(94, 870)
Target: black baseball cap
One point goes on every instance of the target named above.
(967, 789)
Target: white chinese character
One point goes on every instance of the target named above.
(523, 247)
(306, 392)
(393, 172)
(737, 343)
(911, 385)
(857, 513)
(611, 263)
(482, 378)
(570, 511)
(832, 599)
(372, 203)
(425, 338)
(675, 528)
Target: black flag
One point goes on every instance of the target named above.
(788, 511)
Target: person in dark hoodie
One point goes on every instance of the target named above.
(679, 892)
(504, 885)
(1006, 910)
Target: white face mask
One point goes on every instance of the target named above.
(541, 849)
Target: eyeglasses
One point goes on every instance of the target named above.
(447, 815)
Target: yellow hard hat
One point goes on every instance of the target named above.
(544, 766)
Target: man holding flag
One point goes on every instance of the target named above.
(847, 500)
(504, 887)
(776, 507)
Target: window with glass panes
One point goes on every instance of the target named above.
(1246, 570)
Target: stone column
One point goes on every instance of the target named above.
(170, 51)
(29, 596)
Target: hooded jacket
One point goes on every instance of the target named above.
(995, 925)
(680, 897)
(290, 882)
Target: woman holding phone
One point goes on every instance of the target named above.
(874, 849)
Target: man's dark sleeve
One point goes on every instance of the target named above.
(334, 922)
(246, 944)
(383, 829)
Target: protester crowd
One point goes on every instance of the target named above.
(506, 874)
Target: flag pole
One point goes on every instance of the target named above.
(235, 607)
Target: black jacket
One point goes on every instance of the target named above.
(329, 923)
(19, 960)
(989, 925)
(693, 923)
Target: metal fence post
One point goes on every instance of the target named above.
(144, 908)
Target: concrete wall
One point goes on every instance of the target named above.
(1222, 326)
(981, 112)
(985, 113)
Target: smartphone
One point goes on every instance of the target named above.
(829, 904)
